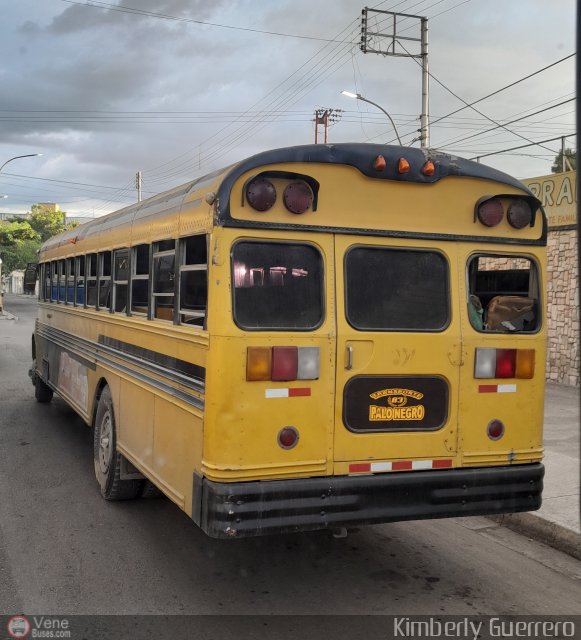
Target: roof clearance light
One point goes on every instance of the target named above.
(403, 166)
(261, 194)
(298, 197)
(490, 212)
(379, 163)
(519, 214)
(429, 168)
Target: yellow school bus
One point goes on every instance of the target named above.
(316, 337)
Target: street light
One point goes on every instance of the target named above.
(28, 155)
(358, 96)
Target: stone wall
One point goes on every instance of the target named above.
(563, 307)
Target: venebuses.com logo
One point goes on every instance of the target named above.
(38, 627)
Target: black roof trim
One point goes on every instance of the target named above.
(361, 156)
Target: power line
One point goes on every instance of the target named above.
(508, 86)
(106, 6)
(532, 144)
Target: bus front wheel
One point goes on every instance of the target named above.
(106, 457)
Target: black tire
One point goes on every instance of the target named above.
(150, 491)
(106, 457)
(42, 392)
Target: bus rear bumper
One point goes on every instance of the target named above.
(225, 510)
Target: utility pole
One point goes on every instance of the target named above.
(380, 33)
(325, 117)
(138, 184)
(565, 163)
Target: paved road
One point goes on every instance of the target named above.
(65, 550)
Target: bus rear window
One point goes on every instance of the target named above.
(277, 286)
(503, 294)
(396, 289)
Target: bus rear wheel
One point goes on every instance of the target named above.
(42, 392)
(106, 457)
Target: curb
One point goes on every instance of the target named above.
(7, 316)
(551, 533)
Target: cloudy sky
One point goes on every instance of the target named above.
(178, 88)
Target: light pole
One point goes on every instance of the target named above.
(28, 155)
(358, 96)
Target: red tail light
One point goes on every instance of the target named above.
(490, 212)
(505, 363)
(519, 214)
(495, 429)
(261, 194)
(284, 363)
(288, 438)
(298, 197)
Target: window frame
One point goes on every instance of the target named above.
(323, 286)
(184, 267)
(407, 249)
(534, 280)
(153, 296)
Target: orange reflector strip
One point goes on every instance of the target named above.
(403, 165)
(429, 168)
(525, 363)
(258, 363)
(379, 163)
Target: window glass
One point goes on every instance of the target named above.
(140, 280)
(194, 280)
(277, 285)
(120, 280)
(396, 289)
(91, 280)
(164, 279)
(105, 280)
(503, 294)
(61, 280)
(80, 295)
(70, 278)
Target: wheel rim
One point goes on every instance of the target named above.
(105, 442)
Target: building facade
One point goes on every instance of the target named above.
(558, 193)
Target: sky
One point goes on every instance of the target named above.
(178, 88)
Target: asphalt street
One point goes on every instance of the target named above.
(65, 550)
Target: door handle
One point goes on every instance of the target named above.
(349, 359)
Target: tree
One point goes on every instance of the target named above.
(570, 155)
(12, 233)
(46, 221)
(17, 256)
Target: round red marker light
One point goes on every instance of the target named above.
(261, 194)
(298, 197)
(519, 214)
(490, 212)
(288, 438)
(495, 429)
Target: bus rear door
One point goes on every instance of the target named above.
(398, 356)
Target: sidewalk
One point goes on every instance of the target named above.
(557, 521)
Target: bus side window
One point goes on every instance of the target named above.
(120, 280)
(193, 282)
(140, 279)
(80, 283)
(164, 257)
(61, 280)
(91, 280)
(104, 280)
(70, 281)
(503, 294)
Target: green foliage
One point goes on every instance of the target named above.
(570, 155)
(17, 256)
(46, 221)
(13, 233)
